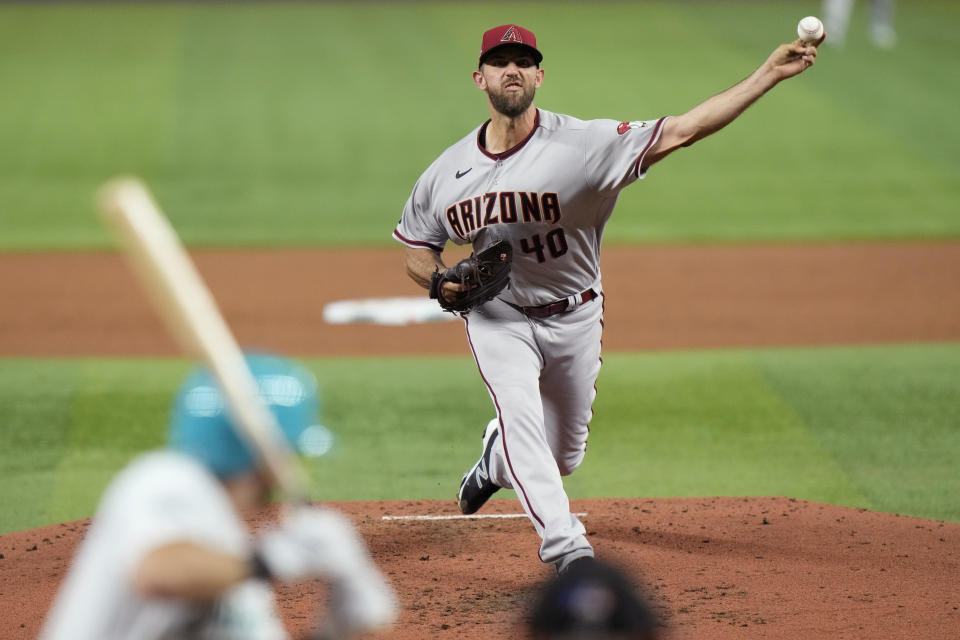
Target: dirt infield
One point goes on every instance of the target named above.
(715, 568)
(656, 298)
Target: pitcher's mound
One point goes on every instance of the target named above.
(714, 568)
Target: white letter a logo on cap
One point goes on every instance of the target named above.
(511, 35)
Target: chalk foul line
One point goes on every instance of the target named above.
(481, 516)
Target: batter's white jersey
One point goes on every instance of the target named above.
(550, 195)
(160, 498)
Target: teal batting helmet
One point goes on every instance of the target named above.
(201, 426)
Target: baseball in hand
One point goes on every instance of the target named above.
(810, 29)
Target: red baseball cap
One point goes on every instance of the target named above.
(509, 34)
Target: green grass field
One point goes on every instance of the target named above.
(870, 427)
(291, 124)
(288, 124)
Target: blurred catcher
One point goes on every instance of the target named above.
(169, 556)
(593, 601)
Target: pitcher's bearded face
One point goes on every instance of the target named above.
(512, 76)
(513, 98)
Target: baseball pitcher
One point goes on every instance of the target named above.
(545, 183)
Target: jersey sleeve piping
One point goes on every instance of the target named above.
(657, 128)
(416, 244)
(586, 174)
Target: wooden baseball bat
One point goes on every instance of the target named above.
(183, 300)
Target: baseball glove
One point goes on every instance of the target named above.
(483, 275)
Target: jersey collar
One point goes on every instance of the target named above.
(482, 134)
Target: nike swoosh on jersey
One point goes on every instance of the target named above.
(460, 174)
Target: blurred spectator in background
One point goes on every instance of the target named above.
(836, 19)
(168, 554)
(592, 600)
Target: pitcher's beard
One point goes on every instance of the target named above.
(512, 104)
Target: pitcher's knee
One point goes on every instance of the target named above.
(569, 464)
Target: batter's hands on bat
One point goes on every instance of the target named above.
(788, 60)
(360, 603)
(321, 543)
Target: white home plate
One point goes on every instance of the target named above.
(388, 311)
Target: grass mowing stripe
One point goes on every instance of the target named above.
(696, 424)
(87, 94)
(35, 398)
(889, 417)
(120, 408)
(405, 427)
(271, 124)
(871, 427)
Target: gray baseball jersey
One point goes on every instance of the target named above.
(550, 195)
